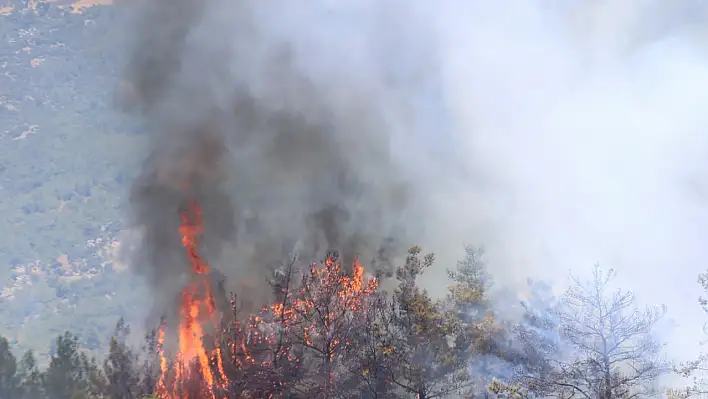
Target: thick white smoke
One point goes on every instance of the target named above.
(588, 122)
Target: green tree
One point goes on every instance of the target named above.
(9, 381)
(30, 377)
(120, 367)
(480, 338)
(373, 360)
(423, 362)
(71, 374)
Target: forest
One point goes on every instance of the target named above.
(331, 331)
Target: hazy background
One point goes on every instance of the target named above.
(587, 125)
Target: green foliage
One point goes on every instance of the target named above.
(9, 381)
(330, 333)
(65, 160)
(506, 390)
(470, 282)
(71, 373)
(427, 365)
(481, 337)
(30, 377)
(56, 93)
(120, 366)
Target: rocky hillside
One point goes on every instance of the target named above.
(66, 157)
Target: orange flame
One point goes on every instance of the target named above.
(161, 384)
(196, 307)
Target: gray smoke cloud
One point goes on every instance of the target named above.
(290, 142)
(556, 134)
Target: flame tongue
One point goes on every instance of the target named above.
(196, 308)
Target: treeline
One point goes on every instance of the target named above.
(332, 333)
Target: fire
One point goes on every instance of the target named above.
(196, 308)
(309, 316)
(161, 384)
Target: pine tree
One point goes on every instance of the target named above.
(483, 338)
(30, 377)
(71, 374)
(120, 367)
(263, 360)
(9, 381)
(327, 315)
(423, 363)
(149, 369)
(373, 358)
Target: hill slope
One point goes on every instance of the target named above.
(65, 159)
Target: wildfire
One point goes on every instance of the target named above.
(196, 308)
(324, 291)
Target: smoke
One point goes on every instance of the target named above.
(585, 121)
(555, 134)
(290, 142)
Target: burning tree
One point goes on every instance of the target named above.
(262, 361)
(298, 346)
(327, 334)
(315, 322)
(326, 314)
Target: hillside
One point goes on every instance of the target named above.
(66, 157)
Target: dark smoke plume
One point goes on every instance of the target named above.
(282, 160)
